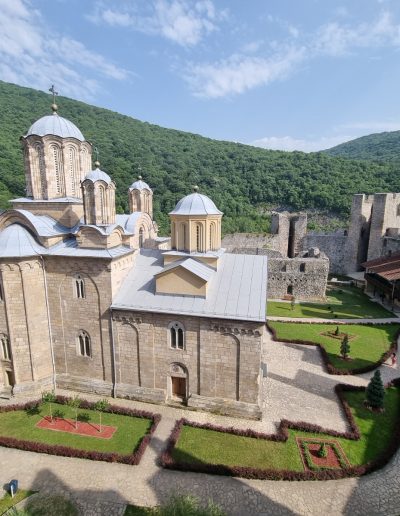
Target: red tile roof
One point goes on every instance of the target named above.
(387, 267)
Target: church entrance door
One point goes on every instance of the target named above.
(178, 387)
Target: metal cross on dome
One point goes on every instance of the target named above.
(54, 92)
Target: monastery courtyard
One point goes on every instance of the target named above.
(296, 387)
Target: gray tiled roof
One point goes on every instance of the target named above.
(195, 204)
(236, 291)
(97, 175)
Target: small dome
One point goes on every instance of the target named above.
(16, 241)
(140, 185)
(196, 204)
(98, 175)
(55, 125)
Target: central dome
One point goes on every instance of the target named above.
(55, 125)
(196, 204)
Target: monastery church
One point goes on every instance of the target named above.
(96, 302)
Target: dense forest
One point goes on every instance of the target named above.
(243, 181)
(380, 147)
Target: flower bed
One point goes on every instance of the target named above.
(69, 451)
(334, 459)
(168, 461)
(331, 369)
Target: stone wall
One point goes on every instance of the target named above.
(220, 361)
(333, 245)
(304, 278)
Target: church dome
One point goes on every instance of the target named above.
(196, 204)
(55, 125)
(140, 185)
(98, 175)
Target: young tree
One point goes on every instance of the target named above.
(49, 397)
(375, 392)
(322, 452)
(75, 403)
(293, 303)
(101, 406)
(345, 346)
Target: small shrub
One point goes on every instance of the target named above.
(375, 392)
(322, 452)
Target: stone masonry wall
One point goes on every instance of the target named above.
(333, 245)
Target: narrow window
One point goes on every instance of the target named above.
(79, 287)
(84, 348)
(198, 239)
(1, 292)
(141, 237)
(302, 267)
(176, 335)
(5, 347)
(290, 289)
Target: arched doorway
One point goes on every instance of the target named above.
(178, 383)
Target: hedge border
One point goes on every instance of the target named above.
(307, 454)
(167, 461)
(325, 358)
(68, 451)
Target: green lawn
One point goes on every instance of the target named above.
(341, 303)
(7, 501)
(366, 348)
(197, 445)
(21, 425)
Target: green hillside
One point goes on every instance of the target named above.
(242, 180)
(382, 147)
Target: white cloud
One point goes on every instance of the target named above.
(33, 56)
(184, 22)
(288, 143)
(240, 73)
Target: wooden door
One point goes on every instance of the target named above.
(178, 387)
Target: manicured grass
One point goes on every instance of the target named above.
(366, 348)
(341, 303)
(20, 424)
(198, 445)
(7, 501)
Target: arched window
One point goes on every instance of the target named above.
(102, 205)
(5, 347)
(290, 290)
(398, 210)
(212, 236)
(141, 237)
(72, 169)
(57, 167)
(198, 238)
(84, 346)
(182, 236)
(176, 335)
(79, 287)
(1, 292)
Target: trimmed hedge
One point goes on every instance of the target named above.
(167, 460)
(67, 451)
(325, 358)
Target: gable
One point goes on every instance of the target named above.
(180, 281)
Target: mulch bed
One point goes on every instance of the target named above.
(60, 424)
(335, 459)
(340, 336)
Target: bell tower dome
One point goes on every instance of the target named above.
(141, 197)
(56, 156)
(98, 192)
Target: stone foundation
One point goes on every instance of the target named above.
(79, 384)
(225, 407)
(140, 393)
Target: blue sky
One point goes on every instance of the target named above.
(284, 74)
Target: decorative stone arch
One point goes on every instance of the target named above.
(178, 382)
(129, 353)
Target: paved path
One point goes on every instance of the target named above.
(297, 388)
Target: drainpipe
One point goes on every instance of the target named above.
(49, 323)
(114, 389)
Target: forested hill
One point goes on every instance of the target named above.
(381, 147)
(242, 180)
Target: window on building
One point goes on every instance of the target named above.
(84, 346)
(283, 268)
(80, 287)
(290, 290)
(1, 292)
(141, 237)
(5, 347)
(176, 335)
(398, 210)
(302, 267)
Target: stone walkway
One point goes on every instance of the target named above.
(296, 388)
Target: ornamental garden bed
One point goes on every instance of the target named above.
(310, 452)
(341, 303)
(60, 424)
(22, 427)
(370, 346)
(367, 446)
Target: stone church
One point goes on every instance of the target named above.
(96, 302)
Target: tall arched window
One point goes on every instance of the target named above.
(79, 287)
(176, 332)
(141, 237)
(212, 236)
(84, 345)
(198, 238)
(5, 347)
(57, 167)
(102, 205)
(72, 169)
